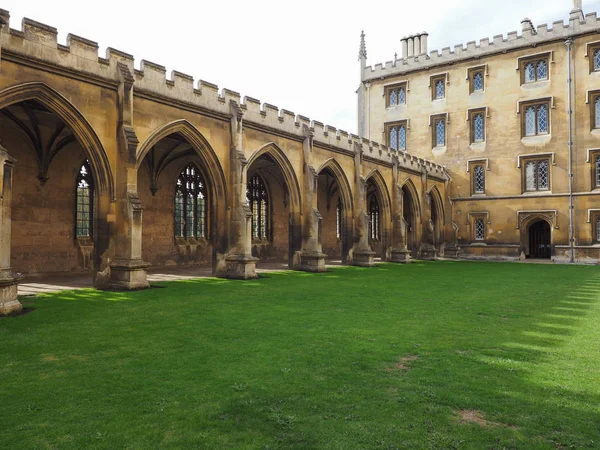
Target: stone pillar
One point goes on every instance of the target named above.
(127, 269)
(424, 37)
(311, 258)
(399, 252)
(8, 280)
(362, 255)
(404, 42)
(239, 262)
(426, 250)
(417, 45)
(411, 47)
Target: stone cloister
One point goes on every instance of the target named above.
(179, 173)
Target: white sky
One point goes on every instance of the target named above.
(301, 56)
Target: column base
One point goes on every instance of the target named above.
(400, 255)
(240, 267)
(127, 275)
(8, 293)
(452, 252)
(311, 262)
(363, 258)
(428, 252)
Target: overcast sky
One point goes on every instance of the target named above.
(301, 56)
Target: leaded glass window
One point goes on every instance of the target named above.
(478, 81)
(190, 204)
(396, 96)
(258, 199)
(478, 180)
(397, 137)
(479, 229)
(84, 202)
(597, 59)
(440, 132)
(597, 112)
(338, 219)
(597, 171)
(401, 96)
(374, 231)
(440, 89)
(598, 228)
(537, 175)
(478, 128)
(542, 70)
(393, 97)
(535, 70)
(537, 120)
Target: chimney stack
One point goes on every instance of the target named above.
(404, 42)
(424, 36)
(414, 45)
(411, 48)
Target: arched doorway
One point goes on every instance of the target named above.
(539, 240)
(378, 210)
(335, 206)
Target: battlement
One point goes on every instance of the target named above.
(38, 42)
(484, 47)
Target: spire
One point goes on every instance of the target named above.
(362, 52)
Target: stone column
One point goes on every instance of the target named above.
(239, 262)
(426, 250)
(399, 252)
(127, 269)
(362, 255)
(311, 258)
(8, 279)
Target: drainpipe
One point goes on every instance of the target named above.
(569, 44)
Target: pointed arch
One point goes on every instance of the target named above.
(377, 179)
(274, 151)
(412, 189)
(344, 185)
(75, 120)
(437, 197)
(192, 135)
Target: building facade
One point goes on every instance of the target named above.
(516, 122)
(108, 169)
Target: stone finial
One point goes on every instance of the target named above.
(362, 52)
(527, 25)
(4, 17)
(577, 11)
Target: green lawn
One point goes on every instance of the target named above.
(427, 355)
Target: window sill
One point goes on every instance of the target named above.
(478, 244)
(479, 195)
(259, 241)
(84, 241)
(401, 106)
(190, 241)
(540, 140)
(478, 146)
(437, 151)
(536, 193)
(595, 132)
(536, 84)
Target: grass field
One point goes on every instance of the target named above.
(428, 355)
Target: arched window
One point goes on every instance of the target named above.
(440, 89)
(258, 198)
(478, 128)
(597, 171)
(338, 219)
(190, 204)
(479, 179)
(374, 231)
(597, 112)
(478, 81)
(84, 202)
(597, 60)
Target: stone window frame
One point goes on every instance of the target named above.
(398, 123)
(89, 179)
(592, 154)
(471, 71)
(471, 164)
(433, 79)
(522, 61)
(264, 233)
(591, 98)
(396, 86)
(524, 159)
(472, 219)
(470, 114)
(184, 238)
(433, 119)
(590, 49)
(521, 110)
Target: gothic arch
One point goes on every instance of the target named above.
(437, 197)
(208, 157)
(274, 151)
(75, 120)
(377, 179)
(344, 185)
(412, 189)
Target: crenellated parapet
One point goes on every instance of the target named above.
(37, 42)
(530, 36)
